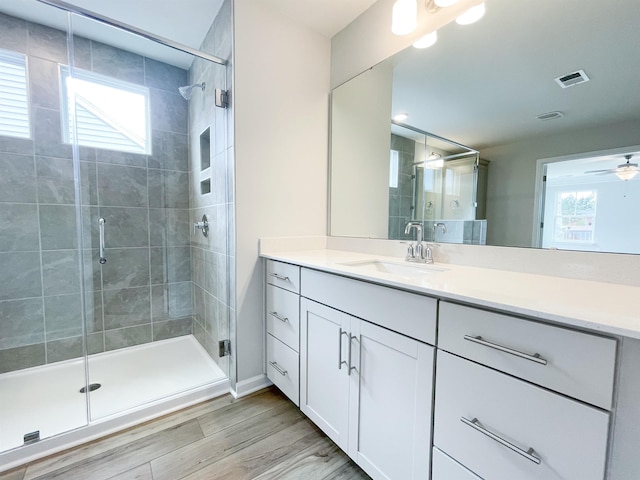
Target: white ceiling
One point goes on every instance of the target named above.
(483, 84)
(327, 17)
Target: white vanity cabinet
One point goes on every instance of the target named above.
(283, 326)
(367, 387)
(499, 422)
(504, 397)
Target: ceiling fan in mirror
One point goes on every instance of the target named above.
(624, 171)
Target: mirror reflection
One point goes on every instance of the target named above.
(532, 86)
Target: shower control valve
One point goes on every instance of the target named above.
(202, 225)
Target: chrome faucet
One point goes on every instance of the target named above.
(439, 225)
(418, 252)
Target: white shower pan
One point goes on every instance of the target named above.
(136, 384)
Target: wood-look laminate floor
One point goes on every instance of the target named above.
(262, 436)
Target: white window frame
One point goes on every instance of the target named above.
(108, 82)
(16, 104)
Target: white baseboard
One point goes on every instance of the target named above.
(250, 385)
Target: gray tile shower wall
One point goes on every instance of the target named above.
(401, 197)
(144, 292)
(213, 257)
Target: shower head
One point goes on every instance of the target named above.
(187, 90)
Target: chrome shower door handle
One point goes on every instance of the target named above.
(103, 259)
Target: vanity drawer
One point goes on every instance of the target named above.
(283, 275)
(445, 468)
(578, 364)
(283, 368)
(488, 421)
(283, 316)
(407, 313)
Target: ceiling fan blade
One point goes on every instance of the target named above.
(601, 172)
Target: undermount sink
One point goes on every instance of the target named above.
(404, 269)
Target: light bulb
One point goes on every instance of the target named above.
(400, 117)
(404, 17)
(626, 173)
(445, 3)
(426, 41)
(472, 15)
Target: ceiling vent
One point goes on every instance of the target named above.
(572, 79)
(549, 115)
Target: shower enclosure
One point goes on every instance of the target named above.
(116, 224)
(438, 182)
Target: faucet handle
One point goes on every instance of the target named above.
(427, 255)
(410, 251)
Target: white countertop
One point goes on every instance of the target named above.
(602, 307)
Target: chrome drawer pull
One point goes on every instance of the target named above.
(351, 338)
(528, 454)
(534, 358)
(279, 277)
(282, 319)
(278, 369)
(340, 361)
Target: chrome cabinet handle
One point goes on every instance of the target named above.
(278, 369)
(279, 277)
(103, 259)
(351, 339)
(528, 454)
(340, 361)
(282, 319)
(534, 358)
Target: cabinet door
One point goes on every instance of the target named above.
(390, 403)
(324, 381)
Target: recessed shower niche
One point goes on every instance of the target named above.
(205, 161)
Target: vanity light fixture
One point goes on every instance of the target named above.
(472, 15)
(426, 41)
(404, 17)
(400, 117)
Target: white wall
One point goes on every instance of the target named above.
(511, 182)
(360, 145)
(281, 96)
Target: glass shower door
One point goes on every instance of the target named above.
(153, 144)
(42, 369)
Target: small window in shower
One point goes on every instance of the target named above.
(14, 99)
(109, 113)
